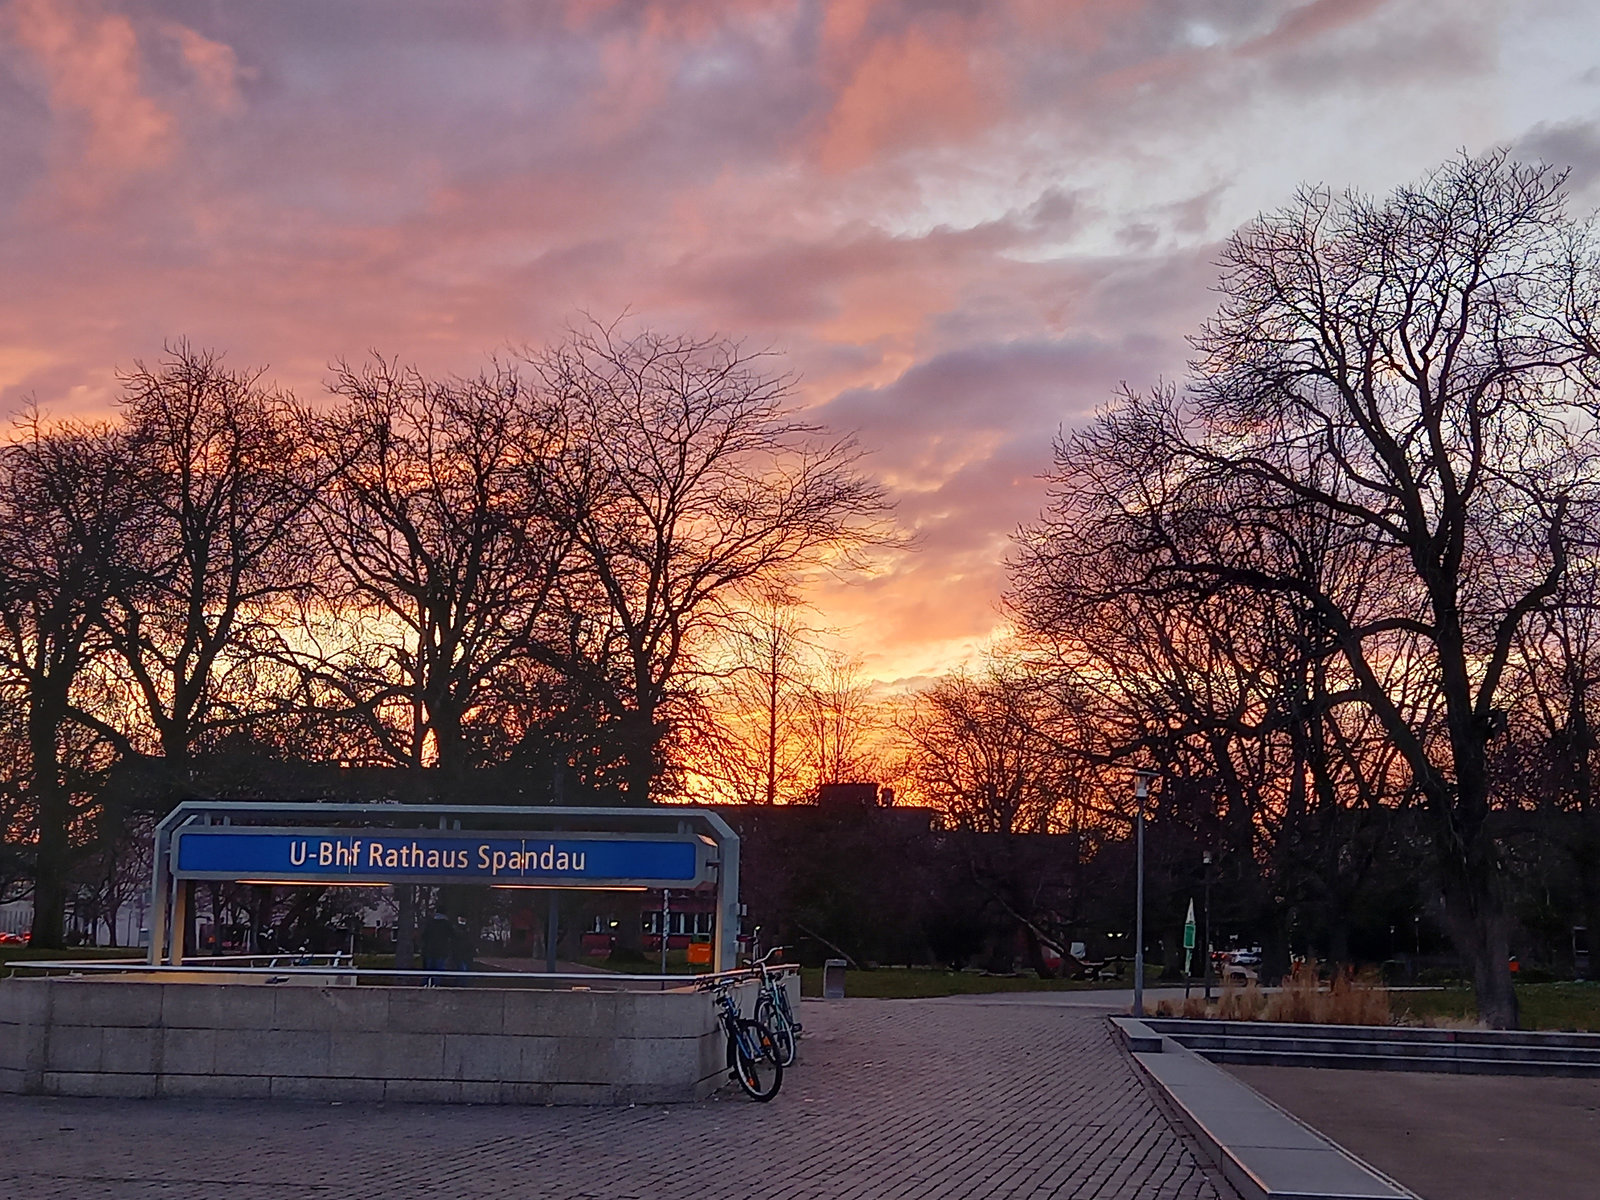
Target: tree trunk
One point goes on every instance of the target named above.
(1480, 928)
(1275, 951)
(628, 936)
(1171, 959)
(54, 816)
(1339, 937)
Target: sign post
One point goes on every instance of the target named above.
(1188, 947)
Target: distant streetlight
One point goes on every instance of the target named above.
(1207, 863)
(1141, 793)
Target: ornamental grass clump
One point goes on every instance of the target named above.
(1240, 1003)
(1298, 1000)
(1350, 999)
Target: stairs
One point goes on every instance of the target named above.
(1387, 1048)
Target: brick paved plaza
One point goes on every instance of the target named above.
(973, 1097)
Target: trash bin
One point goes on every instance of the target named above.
(833, 979)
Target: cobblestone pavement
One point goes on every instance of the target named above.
(891, 1099)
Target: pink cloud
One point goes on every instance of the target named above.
(92, 71)
(214, 65)
(906, 90)
(962, 223)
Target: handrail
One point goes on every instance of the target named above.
(268, 958)
(141, 967)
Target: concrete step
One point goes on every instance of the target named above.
(1580, 1069)
(1175, 1027)
(1205, 1043)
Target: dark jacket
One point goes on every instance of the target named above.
(437, 936)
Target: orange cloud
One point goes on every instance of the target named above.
(91, 68)
(907, 91)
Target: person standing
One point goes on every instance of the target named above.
(437, 944)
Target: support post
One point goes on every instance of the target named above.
(182, 914)
(552, 929)
(726, 952)
(1141, 791)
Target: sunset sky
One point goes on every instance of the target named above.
(963, 223)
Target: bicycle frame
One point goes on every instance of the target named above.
(728, 1013)
(774, 991)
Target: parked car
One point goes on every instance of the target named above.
(1238, 966)
(13, 939)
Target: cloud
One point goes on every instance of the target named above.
(905, 92)
(214, 66)
(963, 222)
(91, 67)
(1573, 146)
(117, 106)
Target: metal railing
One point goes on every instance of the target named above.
(282, 967)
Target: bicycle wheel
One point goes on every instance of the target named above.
(772, 1016)
(756, 1063)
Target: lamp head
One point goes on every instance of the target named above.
(1141, 782)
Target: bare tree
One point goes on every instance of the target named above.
(993, 752)
(752, 745)
(444, 568)
(842, 724)
(18, 829)
(65, 510)
(687, 482)
(446, 562)
(223, 474)
(1414, 372)
(115, 872)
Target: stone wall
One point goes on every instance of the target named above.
(93, 1037)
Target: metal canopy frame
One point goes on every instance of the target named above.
(169, 899)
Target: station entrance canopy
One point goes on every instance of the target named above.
(342, 845)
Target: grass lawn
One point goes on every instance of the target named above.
(1567, 1006)
(914, 983)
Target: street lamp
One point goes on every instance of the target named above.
(1207, 862)
(1141, 793)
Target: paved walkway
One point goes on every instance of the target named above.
(891, 1100)
(1453, 1137)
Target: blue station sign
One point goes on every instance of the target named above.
(333, 857)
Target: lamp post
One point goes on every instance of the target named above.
(1207, 862)
(1141, 793)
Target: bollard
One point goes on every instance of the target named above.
(833, 979)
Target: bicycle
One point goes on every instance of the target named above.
(774, 1011)
(753, 1058)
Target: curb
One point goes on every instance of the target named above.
(1263, 1151)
